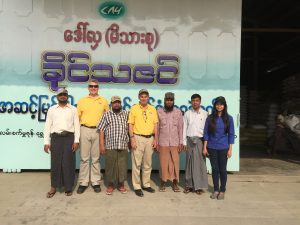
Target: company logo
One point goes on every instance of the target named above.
(112, 9)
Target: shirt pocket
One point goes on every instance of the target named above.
(163, 122)
(175, 121)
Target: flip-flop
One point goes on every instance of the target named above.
(199, 192)
(162, 189)
(175, 188)
(122, 189)
(50, 194)
(109, 190)
(214, 195)
(68, 193)
(187, 190)
(221, 196)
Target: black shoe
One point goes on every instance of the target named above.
(96, 188)
(139, 192)
(149, 189)
(81, 189)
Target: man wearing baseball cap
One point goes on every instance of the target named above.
(113, 129)
(61, 138)
(143, 137)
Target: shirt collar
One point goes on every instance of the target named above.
(98, 97)
(168, 111)
(67, 105)
(141, 107)
(111, 111)
(193, 110)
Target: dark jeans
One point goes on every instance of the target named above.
(218, 161)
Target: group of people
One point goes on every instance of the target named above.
(143, 130)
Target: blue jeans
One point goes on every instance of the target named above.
(218, 161)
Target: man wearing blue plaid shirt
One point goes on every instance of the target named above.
(113, 128)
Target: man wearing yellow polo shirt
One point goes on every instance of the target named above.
(143, 137)
(90, 110)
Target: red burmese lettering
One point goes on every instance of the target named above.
(68, 35)
(124, 38)
(134, 35)
(82, 26)
(112, 35)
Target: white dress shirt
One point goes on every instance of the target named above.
(193, 124)
(61, 119)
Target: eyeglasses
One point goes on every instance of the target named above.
(145, 116)
(93, 86)
(63, 94)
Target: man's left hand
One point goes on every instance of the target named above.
(75, 147)
(154, 144)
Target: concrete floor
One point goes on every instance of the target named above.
(250, 199)
(265, 191)
(258, 162)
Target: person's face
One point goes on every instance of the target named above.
(93, 88)
(62, 98)
(116, 105)
(196, 103)
(169, 103)
(143, 99)
(219, 107)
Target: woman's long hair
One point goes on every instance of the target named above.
(214, 115)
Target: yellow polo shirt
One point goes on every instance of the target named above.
(143, 120)
(90, 110)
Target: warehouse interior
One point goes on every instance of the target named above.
(270, 75)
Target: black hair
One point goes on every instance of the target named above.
(195, 96)
(214, 115)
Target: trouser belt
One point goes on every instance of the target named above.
(145, 136)
(92, 127)
(62, 134)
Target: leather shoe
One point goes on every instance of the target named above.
(81, 189)
(139, 192)
(149, 189)
(96, 188)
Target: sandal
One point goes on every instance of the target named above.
(68, 193)
(50, 194)
(187, 190)
(199, 192)
(122, 189)
(214, 195)
(221, 196)
(109, 190)
(175, 188)
(162, 187)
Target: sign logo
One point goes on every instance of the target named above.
(112, 9)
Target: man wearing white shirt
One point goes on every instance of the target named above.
(61, 138)
(195, 170)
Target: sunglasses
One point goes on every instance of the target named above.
(93, 86)
(63, 94)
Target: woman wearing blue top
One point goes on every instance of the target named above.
(218, 140)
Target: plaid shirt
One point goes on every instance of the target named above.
(115, 129)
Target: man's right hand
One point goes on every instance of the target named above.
(180, 147)
(133, 144)
(102, 150)
(184, 148)
(47, 148)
